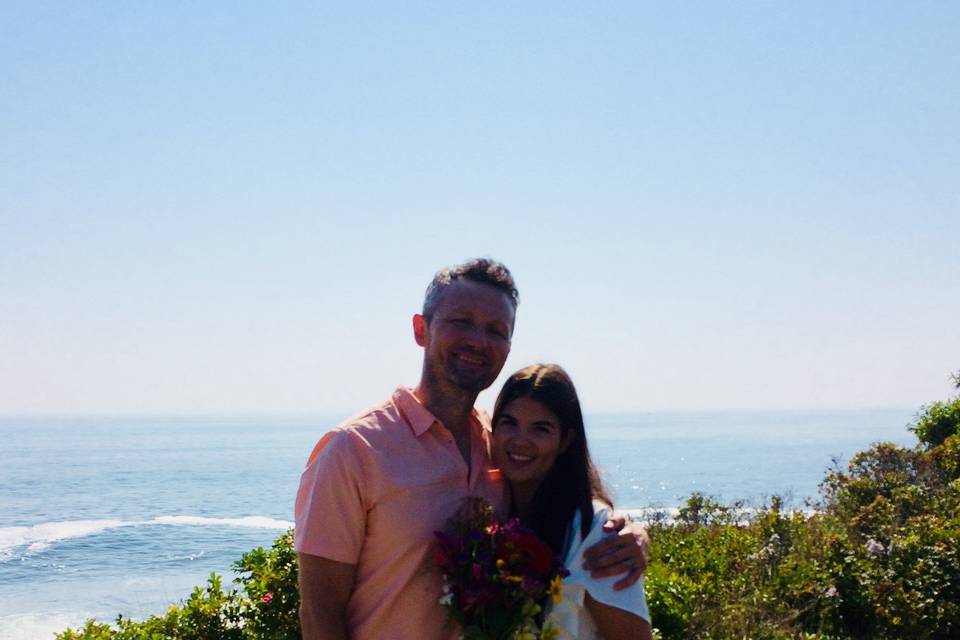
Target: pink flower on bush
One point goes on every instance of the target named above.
(267, 597)
(874, 547)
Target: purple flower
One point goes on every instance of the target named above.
(875, 548)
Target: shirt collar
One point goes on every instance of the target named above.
(419, 417)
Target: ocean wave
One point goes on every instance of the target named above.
(669, 515)
(38, 537)
(38, 626)
(253, 522)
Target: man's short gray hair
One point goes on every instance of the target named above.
(482, 270)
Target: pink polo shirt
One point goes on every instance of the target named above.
(375, 489)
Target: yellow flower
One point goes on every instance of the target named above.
(524, 634)
(530, 609)
(550, 632)
(556, 589)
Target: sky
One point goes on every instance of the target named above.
(235, 207)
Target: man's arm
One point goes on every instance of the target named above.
(325, 588)
(624, 553)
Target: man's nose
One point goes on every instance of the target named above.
(477, 338)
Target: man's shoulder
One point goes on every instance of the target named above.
(372, 424)
(370, 417)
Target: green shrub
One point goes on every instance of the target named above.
(937, 422)
(880, 558)
(264, 608)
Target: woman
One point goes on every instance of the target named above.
(540, 445)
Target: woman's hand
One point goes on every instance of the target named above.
(624, 553)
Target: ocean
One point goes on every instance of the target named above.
(102, 516)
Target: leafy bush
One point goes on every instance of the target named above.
(879, 558)
(265, 608)
(938, 421)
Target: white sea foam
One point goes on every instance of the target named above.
(669, 515)
(37, 626)
(253, 522)
(647, 515)
(39, 537)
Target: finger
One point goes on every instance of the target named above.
(620, 558)
(640, 562)
(614, 523)
(603, 548)
(621, 569)
(628, 580)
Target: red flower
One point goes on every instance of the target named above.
(444, 551)
(267, 597)
(525, 546)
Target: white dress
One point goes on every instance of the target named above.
(570, 615)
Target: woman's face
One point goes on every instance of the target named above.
(527, 439)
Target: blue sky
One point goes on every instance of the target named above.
(235, 207)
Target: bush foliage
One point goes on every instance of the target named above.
(263, 607)
(879, 557)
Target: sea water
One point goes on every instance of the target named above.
(102, 516)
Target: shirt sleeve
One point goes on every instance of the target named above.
(330, 514)
(632, 599)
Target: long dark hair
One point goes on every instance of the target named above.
(573, 482)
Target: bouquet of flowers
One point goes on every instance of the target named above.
(496, 575)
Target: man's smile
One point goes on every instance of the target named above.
(472, 360)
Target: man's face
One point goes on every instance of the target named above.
(467, 339)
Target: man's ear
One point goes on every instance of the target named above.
(420, 329)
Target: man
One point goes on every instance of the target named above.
(377, 486)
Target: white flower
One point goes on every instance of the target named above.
(875, 548)
(769, 550)
(831, 592)
(446, 600)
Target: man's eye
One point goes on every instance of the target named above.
(461, 322)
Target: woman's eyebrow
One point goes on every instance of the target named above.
(544, 423)
(506, 416)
